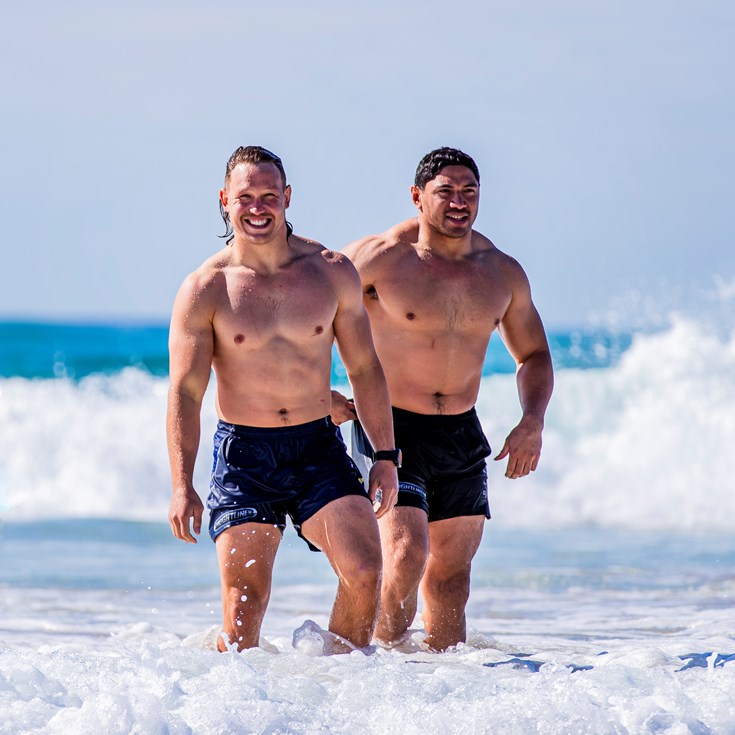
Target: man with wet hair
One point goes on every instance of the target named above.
(435, 290)
(263, 313)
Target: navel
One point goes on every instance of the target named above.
(410, 316)
(371, 292)
(239, 339)
(319, 329)
(497, 321)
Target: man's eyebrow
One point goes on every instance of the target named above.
(267, 190)
(464, 186)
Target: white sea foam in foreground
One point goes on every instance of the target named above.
(583, 632)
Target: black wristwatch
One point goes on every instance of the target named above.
(392, 455)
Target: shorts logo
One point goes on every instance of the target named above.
(409, 487)
(232, 516)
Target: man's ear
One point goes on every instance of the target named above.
(287, 196)
(416, 197)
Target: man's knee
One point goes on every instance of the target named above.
(405, 540)
(251, 598)
(405, 559)
(361, 569)
(448, 584)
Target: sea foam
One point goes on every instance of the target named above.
(641, 444)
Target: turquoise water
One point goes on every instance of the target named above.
(47, 350)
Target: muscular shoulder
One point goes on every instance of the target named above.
(202, 283)
(511, 269)
(374, 253)
(499, 261)
(335, 265)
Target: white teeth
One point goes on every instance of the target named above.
(258, 222)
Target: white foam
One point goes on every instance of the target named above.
(644, 444)
(143, 677)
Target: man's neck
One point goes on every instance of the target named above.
(449, 248)
(263, 257)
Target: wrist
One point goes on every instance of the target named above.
(182, 488)
(533, 420)
(389, 455)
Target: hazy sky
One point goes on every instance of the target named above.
(604, 133)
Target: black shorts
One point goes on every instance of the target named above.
(444, 471)
(262, 475)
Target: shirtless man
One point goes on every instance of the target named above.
(264, 313)
(435, 291)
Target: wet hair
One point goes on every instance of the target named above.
(253, 154)
(432, 163)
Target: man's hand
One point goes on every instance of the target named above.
(343, 409)
(383, 486)
(185, 514)
(522, 447)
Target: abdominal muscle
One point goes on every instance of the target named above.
(280, 390)
(433, 375)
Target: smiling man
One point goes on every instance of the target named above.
(435, 290)
(264, 313)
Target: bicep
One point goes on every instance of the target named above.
(521, 328)
(352, 328)
(191, 343)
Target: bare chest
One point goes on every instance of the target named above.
(254, 310)
(461, 297)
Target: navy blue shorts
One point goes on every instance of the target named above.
(262, 475)
(444, 471)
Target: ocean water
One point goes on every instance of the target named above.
(602, 597)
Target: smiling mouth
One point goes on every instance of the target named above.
(258, 223)
(457, 217)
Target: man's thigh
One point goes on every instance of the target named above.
(453, 542)
(246, 553)
(346, 530)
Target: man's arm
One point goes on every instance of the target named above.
(523, 334)
(191, 343)
(358, 252)
(370, 390)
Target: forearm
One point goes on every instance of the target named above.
(535, 380)
(183, 432)
(372, 403)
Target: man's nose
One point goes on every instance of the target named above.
(458, 201)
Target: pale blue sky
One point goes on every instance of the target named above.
(603, 132)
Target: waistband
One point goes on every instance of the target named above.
(309, 427)
(435, 419)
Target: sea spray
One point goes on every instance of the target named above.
(641, 443)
